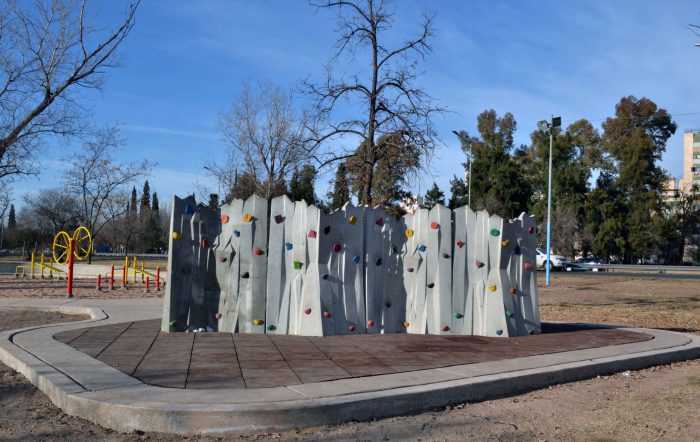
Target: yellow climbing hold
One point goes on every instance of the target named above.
(406, 324)
(258, 321)
(505, 243)
(492, 288)
(176, 235)
(409, 233)
(247, 217)
(352, 219)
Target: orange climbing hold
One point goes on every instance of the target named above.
(247, 217)
(434, 225)
(224, 219)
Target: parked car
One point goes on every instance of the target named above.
(590, 260)
(558, 262)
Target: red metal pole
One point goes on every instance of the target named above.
(71, 246)
(111, 279)
(148, 284)
(157, 279)
(99, 282)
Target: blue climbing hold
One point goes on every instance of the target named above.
(288, 246)
(516, 251)
(356, 259)
(421, 248)
(236, 233)
(189, 210)
(499, 332)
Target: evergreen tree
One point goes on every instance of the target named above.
(213, 201)
(155, 205)
(459, 193)
(341, 189)
(301, 186)
(146, 196)
(133, 206)
(433, 197)
(12, 219)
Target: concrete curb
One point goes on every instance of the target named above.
(85, 387)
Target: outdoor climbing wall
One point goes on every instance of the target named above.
(353, 271)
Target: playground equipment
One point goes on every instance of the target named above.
(67, 248)
(41, 266)
(134, 268)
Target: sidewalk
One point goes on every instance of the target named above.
(101, 393)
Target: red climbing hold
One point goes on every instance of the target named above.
(224, 219)
(460, 244)
(513, 290)
(528, 266)
(337, 248)
(445, 328)
(205, 243)
(217, 316)
(312, 234)
(257, 251)
(327, 314)
(370, 323)
(478, 264)
(351, 328)
(434, 225)
(379, 221)
(531, 229)
(222, 259)
(307, 311)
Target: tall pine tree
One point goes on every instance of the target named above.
(433, 197)
(301, 186)
(340, 194)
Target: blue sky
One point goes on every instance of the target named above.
(185, 61)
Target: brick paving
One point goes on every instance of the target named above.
(225, 360)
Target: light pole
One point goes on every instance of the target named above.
(469, 180)
(549, 126)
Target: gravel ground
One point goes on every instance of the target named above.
(659, 403)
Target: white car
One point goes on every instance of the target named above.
(557, 261)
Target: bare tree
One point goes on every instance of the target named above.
(389, 100)
(265, 136)
(48, 52)
(99, 182)
(58, 208)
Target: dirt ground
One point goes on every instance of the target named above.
(25, 287)
(659, 403)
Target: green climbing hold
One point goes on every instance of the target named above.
(459, 315)
(297, 265)
(271, 327)
(445, 255)
(378, 261)
(509, 313)
(495, 232)
(173, 324)
(325, 276)
(393, 250)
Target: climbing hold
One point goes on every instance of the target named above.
(492, 288)
(516, 250)
(307, 311)
(378, 261)
(217, 316)
(356, 259)
(352, 219)
(445, 255)
(495, 232)
(351, 328)
(327, 314)
(245, 275)
(445, 328)
(236, 233)
(257, 251)
(176, 236)
(279, 219)
(297, 265)
(409, 233)
(499, 332)
(421, 248)
(509, 313)
(327, 230)
(431, 285)
(222, 259)
(459, 315)
(288, 246)
(311, 234)
(388, 304)
(513, 290)
(505, 243)
(224, 219)
(460, 244)
(258, 321)
(528, 266)
(247, 217)
(189, 210)
(325, 276)
(370, 323)
(173, 324)
(479, 264)
(434, 225)
(405, 324)
(410, 270)
(205, 243)
(271, 327)
(379, 221)
(393, 249)
(531, 229)
(337, 247)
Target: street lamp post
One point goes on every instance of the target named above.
(469, 180)
(549, 126)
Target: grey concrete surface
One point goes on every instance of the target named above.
(85, 387)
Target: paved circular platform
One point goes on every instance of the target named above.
(94, 389)
(225, 360)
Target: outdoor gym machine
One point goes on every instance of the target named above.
(67, 248)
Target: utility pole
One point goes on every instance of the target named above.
(549, 126)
